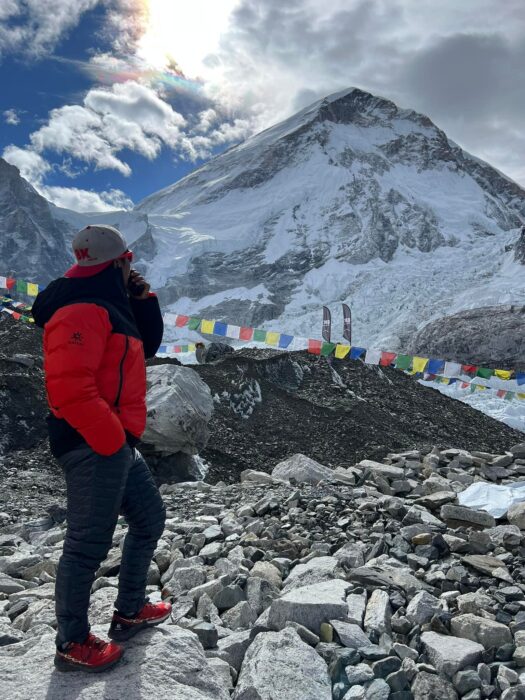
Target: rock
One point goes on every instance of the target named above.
(474, 602)
(228, 597)
(359, 674)
(384, 667)
(466, 680)
(461, 515)
(386, 471)
(241, 616)
(310, 605)
(427, 686)
(516, 515)
(450, 654)
(489, 565)
(223, 671)
(309, 637)
(280, 665)
(9, 585)
(420, 516)
(233, 648)
(9, 634)
(518, 451)
(206, 632)
(374, 576)
(481, 630)
(422, 608)
(180, 406)
(350, 635)
(378, 613)
(519, 656)
(302, 469)
(316, 570)
(356, 607)
(251, 476)
(351, 555)
(268, 572)
(165, 663)
(377, 690)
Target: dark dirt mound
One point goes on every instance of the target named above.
(295, 402)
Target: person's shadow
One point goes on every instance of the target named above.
(122, 682)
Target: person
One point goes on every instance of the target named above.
(214, 352)
(100, 323)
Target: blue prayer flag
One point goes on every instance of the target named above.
(355, 353)
(520, 378)
(163, 349)
(285, 340)
(435, 366)
(220, 328)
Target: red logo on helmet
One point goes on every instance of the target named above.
(82, 254)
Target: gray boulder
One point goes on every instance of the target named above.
(165, 663)
(481, 630)
(310, 605)
(280, 665)
(180, 406)
(303, 469)
(314, 571)
(427, 686)
(516, 515)
(422, 608)
(450, 654)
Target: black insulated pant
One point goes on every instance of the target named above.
(98, 490)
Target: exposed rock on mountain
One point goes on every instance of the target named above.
(32, 241)
(477, 336)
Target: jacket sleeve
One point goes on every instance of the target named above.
(74, 343)
(148, 318)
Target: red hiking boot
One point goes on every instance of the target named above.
(152, 614)
(94, 655)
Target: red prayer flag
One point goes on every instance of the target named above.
(177, 348)
(246, 333)
(10, 282)
(465, 385)
(387, 358)
(181, 321)
(501, 393)
(314, 346)
(469, 369)
(16, 315)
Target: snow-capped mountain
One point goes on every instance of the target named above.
(351, 199)
(32, 240)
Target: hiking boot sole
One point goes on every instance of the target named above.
(125, 634)
(66, 666)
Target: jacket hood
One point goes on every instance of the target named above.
(107, 286)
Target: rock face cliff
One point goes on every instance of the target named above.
(32, 241)
(478, 336)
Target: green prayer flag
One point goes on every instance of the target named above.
(404, 361)
(21, 286)
(259, 336)
(193, 324)
(327, 349)
(509, 396)
(485, 372)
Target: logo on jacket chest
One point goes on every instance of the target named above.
(76, 338)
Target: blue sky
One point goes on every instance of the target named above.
(105, 101)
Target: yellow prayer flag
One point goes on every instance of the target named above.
(445, 380)
(520, 396)
(503, 373)
(32, 289)
(207, 326)
(191, 347)
(419, 364)
(272, 338)
(341, 351)
(480, 387)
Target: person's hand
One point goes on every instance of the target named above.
(137, 282)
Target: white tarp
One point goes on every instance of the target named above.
(495, 499)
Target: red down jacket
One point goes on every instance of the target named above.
(95, 339)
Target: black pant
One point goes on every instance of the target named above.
(98, 489)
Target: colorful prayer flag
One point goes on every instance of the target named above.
(272, 338)
(314, 346)
(207, 326)
(387, 358)
(181, 321)
(485, 372)
(341, 351)
(327, 349)
(32, 289)
(163, 349)
(503, 373)
(220, 328)
(419, 364)
(372, 357)
(436, 366)
(403, 362)
(285, 340)
(259, 335)
(356, 353)
(501, 393)
(469, 369)
(193, 324)
(233, 332)
(21, 286)
(245, 333)
(3, 282)
(520, 378)
(452, 369)
(10, 282)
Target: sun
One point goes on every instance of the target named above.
(184, 32)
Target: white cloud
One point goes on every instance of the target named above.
(87, 200)
(34, 27)
(11, 117)
(31, 164)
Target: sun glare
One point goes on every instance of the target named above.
(184, 31)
